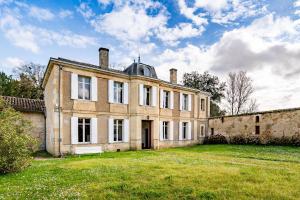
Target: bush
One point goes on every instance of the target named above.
(244, 139)
(16, 147)
(216, 139)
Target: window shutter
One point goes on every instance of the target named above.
(125, 96)
(180, 101)
(110, 130)
(171, 130)
(94, 90)
(189, 102)
(161, 98)
(110, 91)
(74, 130)
(180, 131)
(189, 136)
(141, 94)
(94, 131)
(171, 100)
(126, 130)
(161, 130)
(74, 86)
(153, 95)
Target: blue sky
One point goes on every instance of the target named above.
(220, 36)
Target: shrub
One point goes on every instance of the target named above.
(295, 140)
(16, 146)
(237, 139)
(216, 139)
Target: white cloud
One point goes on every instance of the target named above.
(297, 3)
(269, 49)
(65, 13)
(85, 11)
(32, 38)
(189, 12)
(13, 62)
(41, 14)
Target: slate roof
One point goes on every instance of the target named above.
(141, 69)
(25, 104)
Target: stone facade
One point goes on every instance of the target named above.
(275, 123)
(61, 108)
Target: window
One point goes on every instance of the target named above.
(185, 101)
(166, 99)
(118, 130)
(222, 120)
(118, 92)
(212, 131)
(147, 95)
(84, 87)
(202, 131)
(165, 130)
(84, 130)
(202, 104)
(257, 119)
(184, 130)
(257, 130)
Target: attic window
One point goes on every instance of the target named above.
(257, 119)
(146, 71)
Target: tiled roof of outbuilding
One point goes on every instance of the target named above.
(25, 104)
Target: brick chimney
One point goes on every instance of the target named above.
(173, 76)
(103, 57)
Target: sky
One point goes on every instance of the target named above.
(261, 37)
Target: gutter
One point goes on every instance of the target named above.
(59, 110)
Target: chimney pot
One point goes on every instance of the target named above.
(173, 76)
(103, 57)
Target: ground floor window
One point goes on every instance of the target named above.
(212, 131)
(202, 131)
(118, 130)
(84, 130)
(165, 130)
(257, 130)
(184, 130)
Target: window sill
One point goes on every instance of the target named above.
(82, 143)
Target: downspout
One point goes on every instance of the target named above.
(59, 109)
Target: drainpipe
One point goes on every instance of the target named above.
(59, 109)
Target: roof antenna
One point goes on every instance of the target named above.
(139, 59)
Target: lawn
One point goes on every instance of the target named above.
(199, 172)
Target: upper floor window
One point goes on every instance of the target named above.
(84, 130)
(184, 130)
(147, 95)
(166, 99)
(118, 130)
(84, 87)
(185, 99)
(118, 92)
(202, 104)
(257, 119)
(165, 130)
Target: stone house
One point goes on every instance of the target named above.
(34, 111)
(93, 108)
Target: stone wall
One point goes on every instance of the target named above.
(38, 122)
(275, 123)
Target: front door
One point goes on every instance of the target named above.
(146, 134)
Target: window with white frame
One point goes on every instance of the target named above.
(118, 92)
(118, 130)
(184, 130)
(147, 95)
(185, 101)
(202, 104)
(84, 87)
(166, 99)
(165, 130)
(84, 130)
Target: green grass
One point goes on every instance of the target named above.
(200, 172)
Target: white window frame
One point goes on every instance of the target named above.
(185, 130)
(185, 102)
(118, 92)
(116, 123)
(165, 129)
(166, 96)
(84, 123)
(147, 94)
(83, 84)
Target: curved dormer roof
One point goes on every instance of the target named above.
(141, 69)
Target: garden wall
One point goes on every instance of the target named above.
(277, 123)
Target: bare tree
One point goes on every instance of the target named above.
(238, 93)
(33, 71)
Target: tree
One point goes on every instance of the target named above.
(238, 93)
(207, 83)
(16, 145)
(33, 71)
